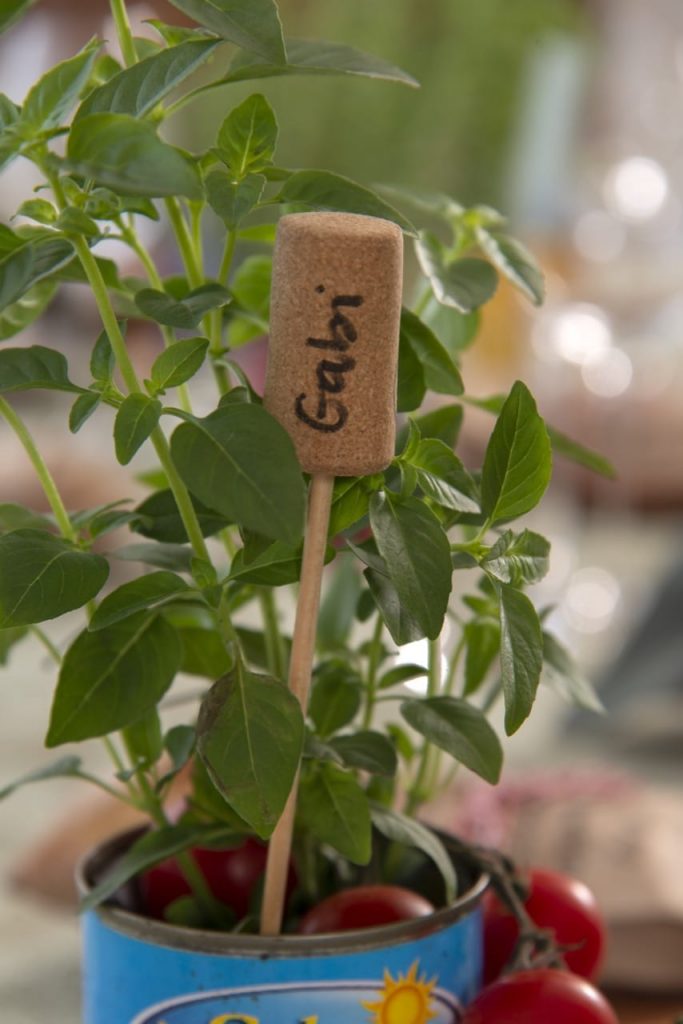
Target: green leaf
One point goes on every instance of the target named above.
(179, 742)
(247, 137)
(42, 577)
(460, 729)
(411, 387)
(20, 314)
(18, 517)
(338, 605)
(38, 209)
(22, 369)
(440, 372)
(403, 627)
(483, 644)
(231, 200)
(335, 698)
(204, 653)
(174, 557)
(521, 655)
(111, 678)
(442, 476)
(135, 420)
(53, 95)
(26, 263)
(250, 736)
(64, 768)
(322, 190)
(417, 554)
(152, 848)
(178, 363)
(350, 501)
(128, 156)
(398, 828)
(82, 409)
(400, 674)
(251, 285)
(443, 424)
(240, 461)
(518, 559)
(138, 89)
(102, 358)
(143, 739)
(464, 284)
(158, 517)
(581, 455)
(130, 598)
(565, 676)
(12, 10)
(368, 751)
(515, 261)
(252, 24)
(335, 809)
(518, 461)
(306, 57)
(184, 313)
(275, 566)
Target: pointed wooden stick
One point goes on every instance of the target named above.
(300, 670)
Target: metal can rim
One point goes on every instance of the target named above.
(258, 946)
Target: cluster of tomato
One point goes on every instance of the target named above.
(556, 907)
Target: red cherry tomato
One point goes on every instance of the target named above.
(364, 906)
(232, 876)
(542, 996)
(555, 901)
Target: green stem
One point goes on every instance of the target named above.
(185, 242)
(157, 437)
(418, 792)
(374, 657)
(123, 31)
(46, 480)
(453, 665)
(47, 643)
(275, 650)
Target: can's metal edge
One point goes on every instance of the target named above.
(257, 946)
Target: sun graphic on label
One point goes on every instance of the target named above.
(404, 1000)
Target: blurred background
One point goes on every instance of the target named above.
(566, 115)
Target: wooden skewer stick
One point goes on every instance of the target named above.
(300, 669)
(331, 382)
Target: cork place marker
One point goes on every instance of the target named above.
(331, 383)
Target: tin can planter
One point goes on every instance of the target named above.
(140, 971)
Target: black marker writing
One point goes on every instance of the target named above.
(330, 373)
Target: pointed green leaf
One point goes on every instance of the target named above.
(322, 190)
(518, 460)
(338, 605)
(250, 736)
(350, 501)
(565, 676)
(24, 263)
(174, 557)
(22, 369)
(247, 137)
(20, 314)
(515, 261)
(241, 462)
(12, 10)
(411, 387)
(368, 751)
(18, 517)
(64, 768)
(442, 476)
(464, 284)
(135, 420)
(334, 807)
(42, 576)
(518, 559)
(127, 155)
(231, 200)
(401, 674)
(53, 95)
(138, 89)
(102, 358)
(276, 566)
(403, 627)
(252, 24)
(112, 677)
(521, 655)
(460, 729)
(143, 740)
(581, 455)
(440, 372)
(184, 313)
(39, 210)
(158, 517)
(144, 592)
(483, 644)
(335, 698)
(82, 409)
(417, 554)
(179, 363)
(399, 828)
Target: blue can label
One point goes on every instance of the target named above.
(409, 998)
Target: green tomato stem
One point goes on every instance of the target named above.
(46, 480)
(124, 32)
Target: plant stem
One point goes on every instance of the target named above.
(47, 643)
(185, 243)
(124, 32)
(417, 793)
(374, 656)
(275, 651)
(157, 437)
(46, 480)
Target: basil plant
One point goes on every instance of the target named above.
(217, 541)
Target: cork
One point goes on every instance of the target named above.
(333, 352)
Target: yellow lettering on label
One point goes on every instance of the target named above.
(310, 1020)
(237, 1018)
